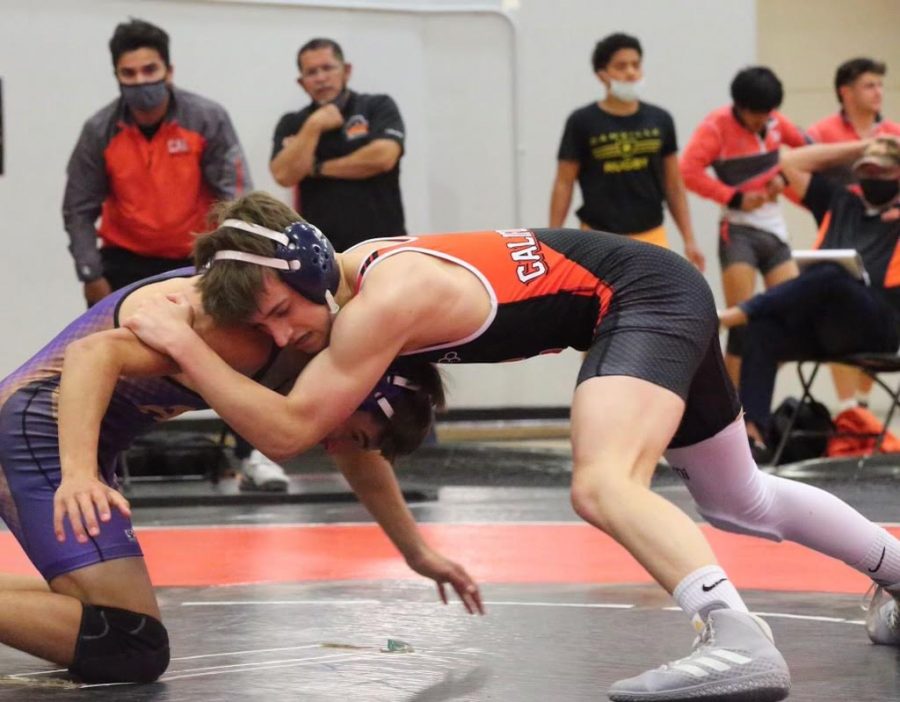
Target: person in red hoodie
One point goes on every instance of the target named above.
(859, 87)
(741, 142)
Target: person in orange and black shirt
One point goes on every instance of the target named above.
(148, 165)
(859, 87)
(826, 312)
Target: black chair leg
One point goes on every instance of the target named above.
(805, 384)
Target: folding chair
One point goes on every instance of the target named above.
(872, 364)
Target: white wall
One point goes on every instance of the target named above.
(484, 97)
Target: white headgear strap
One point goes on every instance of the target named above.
(280, 237)
(267, 261)
(402, 382)
(333, 306)
(385, 406)
(399, 381)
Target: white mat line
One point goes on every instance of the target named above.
(275, 662)
(785, 615)
(492, 603)
(252, 650)
(503, 603)
(234, 603)
(586, 605)
(253, 667)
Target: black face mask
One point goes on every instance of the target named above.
(879, 192)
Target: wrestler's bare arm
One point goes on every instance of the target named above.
(406, 303)
(372, 478)
(367, 335)
(91, 368)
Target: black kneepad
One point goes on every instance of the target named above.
(735, 343)
(116, 645)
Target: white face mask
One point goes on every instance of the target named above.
(626, 91)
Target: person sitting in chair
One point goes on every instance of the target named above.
(827, 312)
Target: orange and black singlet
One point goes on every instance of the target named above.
(529, 275)
(639, 310)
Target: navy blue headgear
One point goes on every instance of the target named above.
(389, 387)
(304, 258)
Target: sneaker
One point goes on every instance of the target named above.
(260, 473)
(734, 660)
(883, 618)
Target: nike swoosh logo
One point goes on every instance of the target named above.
(880, 561)
(707, 588)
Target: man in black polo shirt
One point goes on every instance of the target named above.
(827, 312)
(341, 152)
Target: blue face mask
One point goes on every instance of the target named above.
(146, 96)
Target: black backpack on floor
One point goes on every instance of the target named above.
(809, 435)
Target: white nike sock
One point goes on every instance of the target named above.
(882, 562)
(706, 589)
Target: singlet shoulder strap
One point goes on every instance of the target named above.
(394, 243)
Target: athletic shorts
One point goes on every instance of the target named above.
(739, 243)
(662, 327)
(30, 466)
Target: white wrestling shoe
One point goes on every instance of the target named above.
(883, 617)
(734, 660)
(262, 474)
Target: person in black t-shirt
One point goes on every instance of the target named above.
(623, 152)
(826, 311)
(341, 152)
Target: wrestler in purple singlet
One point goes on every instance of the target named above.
(29, 442)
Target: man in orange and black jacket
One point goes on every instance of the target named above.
(148, 165)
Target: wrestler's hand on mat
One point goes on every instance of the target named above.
(86, 501)
(442, 570)
(161, 320)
